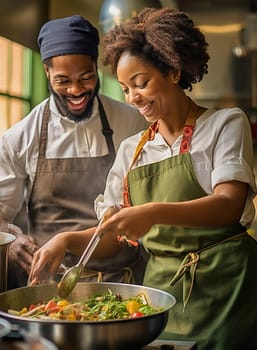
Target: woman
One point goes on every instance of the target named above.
(186, 185)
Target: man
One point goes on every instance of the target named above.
(57, 158)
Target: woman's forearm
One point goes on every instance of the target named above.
(76, 242)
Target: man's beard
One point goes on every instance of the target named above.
(64, 110)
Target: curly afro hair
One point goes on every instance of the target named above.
(166, 38)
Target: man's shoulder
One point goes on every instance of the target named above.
(113, 104)
(124, 119)
(36, 112)
(32, 121)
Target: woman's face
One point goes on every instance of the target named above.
(145, 87)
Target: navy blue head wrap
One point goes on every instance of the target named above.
(72, 35)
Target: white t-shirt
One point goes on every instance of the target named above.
(19, 145)
(221, 150)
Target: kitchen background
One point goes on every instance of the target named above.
(230, 27)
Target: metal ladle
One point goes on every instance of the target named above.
(72, 275)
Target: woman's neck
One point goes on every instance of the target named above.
(172, 128)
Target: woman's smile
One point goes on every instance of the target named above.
(144, 110)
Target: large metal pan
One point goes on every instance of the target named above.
(106, 335)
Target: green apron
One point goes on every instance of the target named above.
(211, 272)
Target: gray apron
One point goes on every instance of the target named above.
(211, 272)
(62, 196)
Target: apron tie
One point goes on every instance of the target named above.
(188, 267)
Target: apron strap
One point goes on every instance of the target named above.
(43, 132)
(186, 139)
(107, 131)
(147, 135)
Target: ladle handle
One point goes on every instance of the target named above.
(89, 249)
(95, 238)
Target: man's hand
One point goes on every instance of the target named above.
(22, 249)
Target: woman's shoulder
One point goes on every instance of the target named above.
(229, 112)
(219, 117)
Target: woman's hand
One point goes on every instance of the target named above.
(48, 258)
(223, 207)
(133, 222)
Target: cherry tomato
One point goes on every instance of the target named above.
(52, 306)
(32, 306)
(54, 310)
(136, 314)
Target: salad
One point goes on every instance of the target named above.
(100, 307)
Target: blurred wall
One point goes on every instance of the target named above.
(20, 20)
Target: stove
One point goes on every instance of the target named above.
(19, 339)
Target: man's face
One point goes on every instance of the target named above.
(73, 81)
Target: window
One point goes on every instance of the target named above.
(21, 79)
(15, 82)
